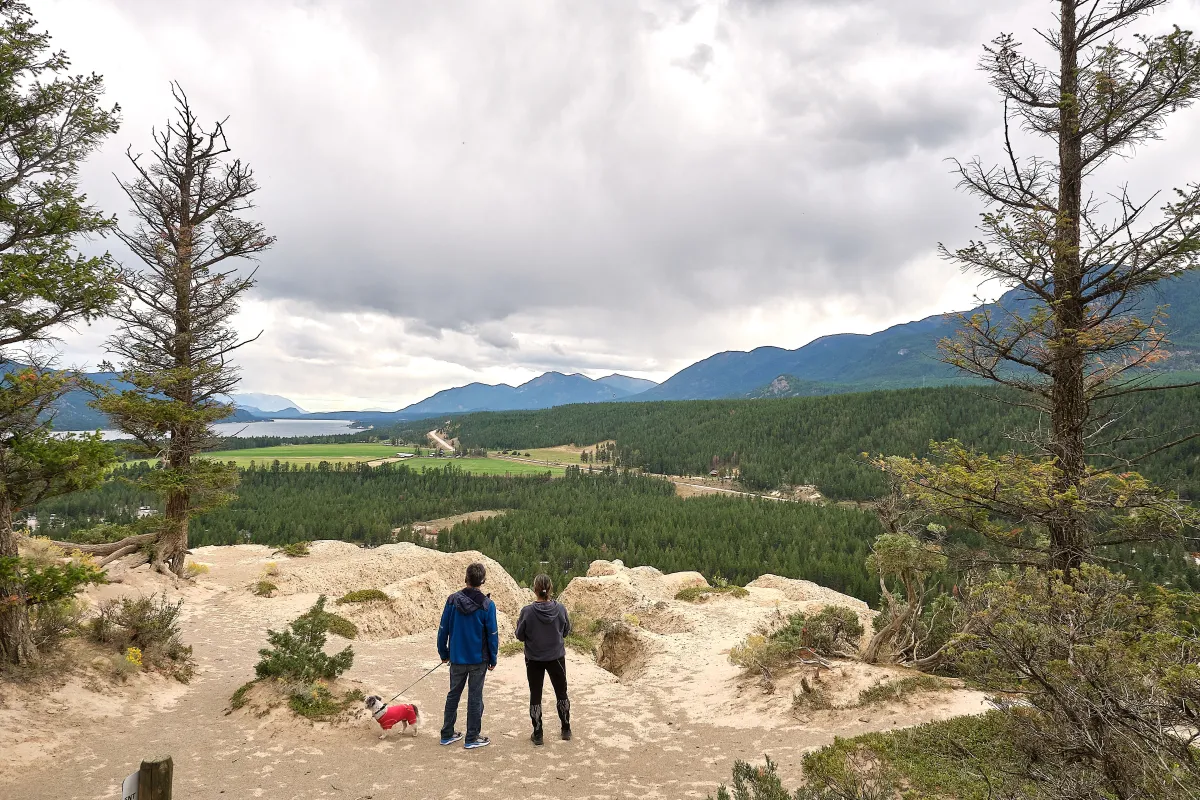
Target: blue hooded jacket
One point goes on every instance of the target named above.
(468, 633)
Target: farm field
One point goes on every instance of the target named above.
(356, 452)
(346, 452)
(561, 454)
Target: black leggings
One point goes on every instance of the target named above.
(536, 672)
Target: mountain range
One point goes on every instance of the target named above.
(899, 357)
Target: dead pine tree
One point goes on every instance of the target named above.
(175, 339)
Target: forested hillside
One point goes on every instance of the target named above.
(566, 522)
(818, 440)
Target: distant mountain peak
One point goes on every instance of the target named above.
(255, 402)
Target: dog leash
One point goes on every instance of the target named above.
(414, 683)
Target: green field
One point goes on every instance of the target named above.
(560, 455)
(357, 452)
(348, 452)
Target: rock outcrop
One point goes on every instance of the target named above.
(416, 579)
(612, 591)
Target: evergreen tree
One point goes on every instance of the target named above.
(1080, 348)
(51, 121)
(175, 340)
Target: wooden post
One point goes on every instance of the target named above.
(154, 779)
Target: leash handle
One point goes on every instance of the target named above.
(414, 683)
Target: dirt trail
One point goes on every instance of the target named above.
(671, 730)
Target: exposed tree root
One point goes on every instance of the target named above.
(108, 548)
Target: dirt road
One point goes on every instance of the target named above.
(440, 442)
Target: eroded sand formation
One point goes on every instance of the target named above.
(666, 719)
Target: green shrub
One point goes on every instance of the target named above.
(364, 596)
(586, 633)
(295, 549)
(53, 622)
(49, 585)
(297, 654)
(811, 697)
(340, 626)
(755, 783)
(238, 700)
(966, 758)
(265, 588)
(512, 648)
(698, 594)
(316, 702)
(865, 778)
(833, 631)
(898, 690)
(150, 624)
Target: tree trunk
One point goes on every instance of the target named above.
(884, 636)
(1069, 399)
(170, 548)
(16, 636)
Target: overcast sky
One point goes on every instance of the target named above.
(490, 189)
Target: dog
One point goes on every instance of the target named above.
(388, 716)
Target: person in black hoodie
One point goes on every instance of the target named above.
(543, 627)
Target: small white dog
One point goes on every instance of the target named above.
(388, 716)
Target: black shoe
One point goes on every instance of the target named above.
(566, 734)
(536, 738)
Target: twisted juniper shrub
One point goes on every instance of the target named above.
(833, 631)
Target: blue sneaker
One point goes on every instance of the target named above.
(482, 741)
(452, 738)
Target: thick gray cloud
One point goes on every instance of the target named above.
(487, 189)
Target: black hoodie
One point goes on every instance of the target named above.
(542, 627)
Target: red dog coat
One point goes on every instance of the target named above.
(393, 714)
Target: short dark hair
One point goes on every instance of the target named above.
(476, 574)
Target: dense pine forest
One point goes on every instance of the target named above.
(819, 440)
(565, 522)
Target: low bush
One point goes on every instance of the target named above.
(193, 569)
(315, 702)
(512, 648)
(586, 633)
(899, 690)
(698, 594)
(49, 582)
(149, 624)
(363, 596)
(867, 779)
(339, 625)
(54, 622)
(295, 549)
(967, 758)
(270, 569)
(811, 697)
(238, 700)
(265, 588)
(297, 654)
(834, 631)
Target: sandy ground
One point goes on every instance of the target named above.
(670, 727)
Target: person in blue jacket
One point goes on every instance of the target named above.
(469, 641)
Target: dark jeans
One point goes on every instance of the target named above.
(536, 672)
(470, 676)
